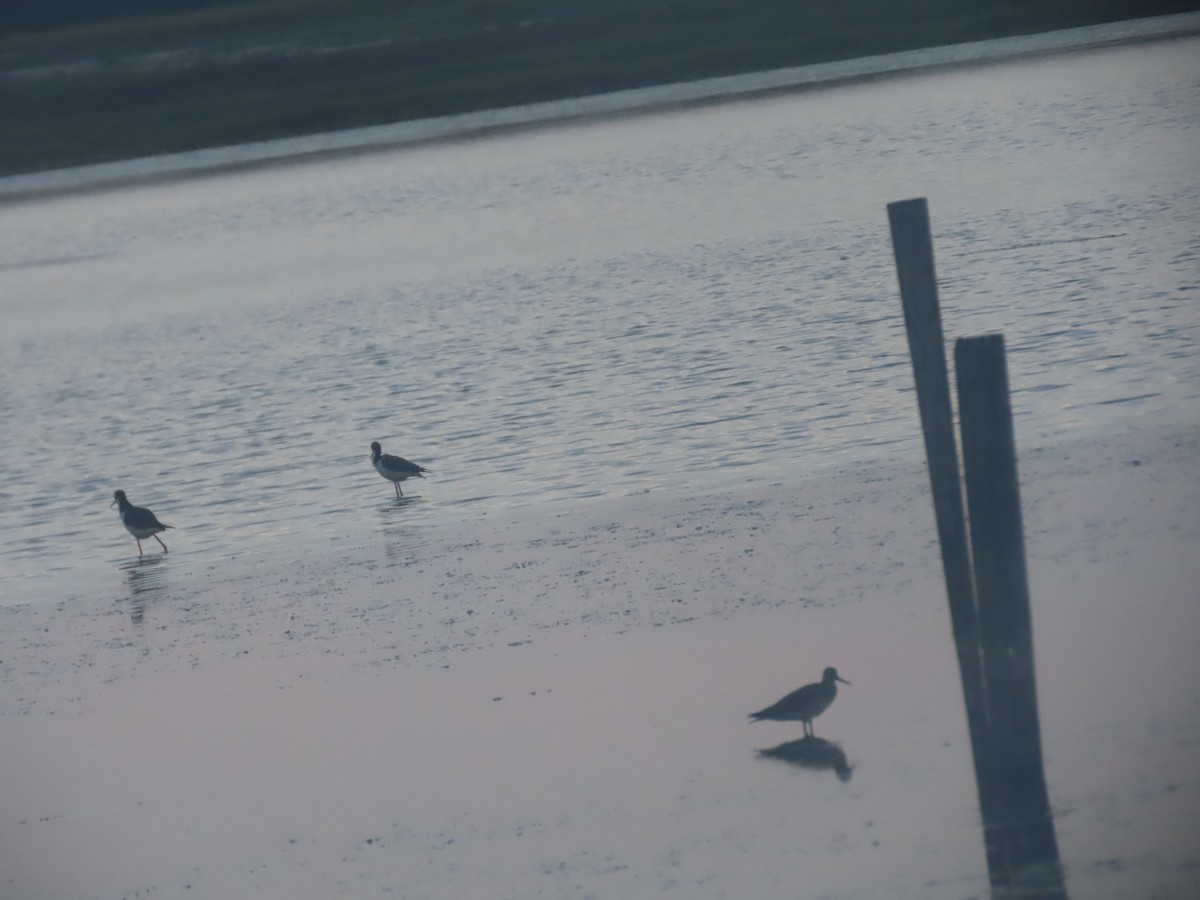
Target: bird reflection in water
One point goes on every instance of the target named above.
(145, 577)
(812, 753)
(400, 537)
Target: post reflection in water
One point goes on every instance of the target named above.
(1018, 824)
(145, 578)
(812, 753)
(1023, 860)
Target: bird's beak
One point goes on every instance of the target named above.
(114, 503)
(844, 681)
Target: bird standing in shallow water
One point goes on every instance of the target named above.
(138, 521)
(804, 704)
(394, 468)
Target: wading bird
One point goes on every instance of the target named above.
(804, 704)
(139, 521)
(394, 468)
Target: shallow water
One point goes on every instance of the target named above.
(677, 300)
(552, 702)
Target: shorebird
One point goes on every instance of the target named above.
(804, 704)
(393, 468)
(138, 521)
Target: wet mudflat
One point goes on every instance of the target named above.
(555, 705)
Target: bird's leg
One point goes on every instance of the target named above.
(139, 540)
(164, 546)
(399, 493)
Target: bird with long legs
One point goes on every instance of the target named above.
(394, 468)
(138, 521)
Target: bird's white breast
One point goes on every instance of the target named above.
(393, 474)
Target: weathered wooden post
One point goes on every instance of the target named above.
(913, 245)
(1013, 781)
(986, 584)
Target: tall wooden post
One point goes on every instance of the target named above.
(1021, 837)
(913, 246)
(987, 585)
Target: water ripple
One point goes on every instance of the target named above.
(670, 301)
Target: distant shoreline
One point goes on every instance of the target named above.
(110, 175)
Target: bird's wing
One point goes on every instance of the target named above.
(399, 464)
(140, 517)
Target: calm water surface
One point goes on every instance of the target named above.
(677, 301)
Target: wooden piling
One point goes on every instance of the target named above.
(986, 582)
(1011, 776)
(912, 243)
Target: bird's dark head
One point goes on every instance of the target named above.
(831, 676)
(376, 450)
(118, 497)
